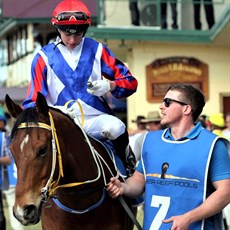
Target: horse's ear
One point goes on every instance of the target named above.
(42, 104)
(13, 108)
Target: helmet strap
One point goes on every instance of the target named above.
(61, 42)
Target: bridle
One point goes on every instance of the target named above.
(51, 186)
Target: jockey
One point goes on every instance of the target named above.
(62, 70)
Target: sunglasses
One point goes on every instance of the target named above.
(168, 101)
(66, 16)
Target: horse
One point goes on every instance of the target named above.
(62, 173)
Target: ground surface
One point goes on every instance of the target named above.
(38, 226)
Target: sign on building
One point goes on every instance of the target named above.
(161, 73)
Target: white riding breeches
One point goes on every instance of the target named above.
(100, 125)
(103, 126)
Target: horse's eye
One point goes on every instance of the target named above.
(42, 151)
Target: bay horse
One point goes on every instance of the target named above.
(61, 173)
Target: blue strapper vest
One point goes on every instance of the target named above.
(176, 176)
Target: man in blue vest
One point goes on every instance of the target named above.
(4, 160)
(184, 169)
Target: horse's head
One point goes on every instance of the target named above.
(84, 169)
(30, 147)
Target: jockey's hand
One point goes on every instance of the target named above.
(115, 188)
(99, 87)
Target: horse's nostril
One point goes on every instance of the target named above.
(31, 213)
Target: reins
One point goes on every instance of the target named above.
(51, 186)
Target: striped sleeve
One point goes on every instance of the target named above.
(37, 82)
(115, 70)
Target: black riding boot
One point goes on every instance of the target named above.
(123, 150)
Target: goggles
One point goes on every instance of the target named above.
(67, 16)
(168, 101)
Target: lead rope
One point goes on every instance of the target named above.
(129, 212)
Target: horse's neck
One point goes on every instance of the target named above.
(84, 158)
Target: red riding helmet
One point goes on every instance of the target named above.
(71, 12)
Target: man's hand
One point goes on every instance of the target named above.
(179, 222)
(115, 188)
(99, 87)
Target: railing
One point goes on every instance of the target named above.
(117, 13)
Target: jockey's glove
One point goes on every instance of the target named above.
(99, 87)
